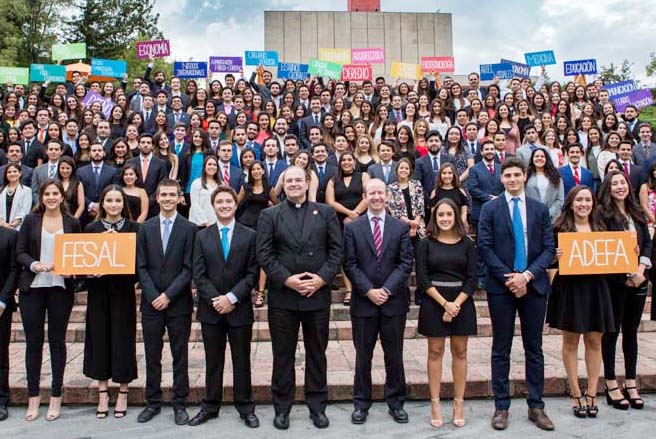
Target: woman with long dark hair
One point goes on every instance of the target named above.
(544, 182)
(201, 211)
(455, 148)
(66, 173)
(136, 196)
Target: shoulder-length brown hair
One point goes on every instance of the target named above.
(102, 213)
(438, 178)
(565, 221)
(433, 231)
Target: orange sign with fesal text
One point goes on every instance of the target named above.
(95, 253)
(598, 252)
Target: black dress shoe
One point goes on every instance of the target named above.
(148, 413)
(4, 413)
(202, 417)
(281, 421)
(359, 416)
(181, 416)
(250, 419)
(320, 420)
(399, 415)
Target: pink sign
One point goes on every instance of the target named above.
(153, 49)
(356, 73)
(368, 56)
(444, 64)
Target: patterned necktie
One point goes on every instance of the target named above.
(577, 177)
(225, 245)
(626, 169)
(518, 232)
(96, 174)
(378, 238)
(52, 170)
(226, 175)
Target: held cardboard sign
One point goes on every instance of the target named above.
(598, 253)
(95, 253)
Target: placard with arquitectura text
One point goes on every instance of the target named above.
(598, 253)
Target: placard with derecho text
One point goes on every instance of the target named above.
(95, 253)
(598, 253)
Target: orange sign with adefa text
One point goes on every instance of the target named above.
(95, 253)
(598, 252)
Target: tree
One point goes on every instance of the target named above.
(611, 73)
(13, 13)
(40, 29)
(651, 67)
(109, 26)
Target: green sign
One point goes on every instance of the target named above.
(325, 68)
(69, 51)
(15, 75)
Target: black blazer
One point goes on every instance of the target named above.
(28, 247)
(392, 273)
(184, 168)
(644, 242)
(214, 276)
(8, 267)
(92, 192)
(284, 249)
(35, 152)
(169, 272)
(329, 171)
(157, 172)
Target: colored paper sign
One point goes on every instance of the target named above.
(290, 70)
(95, 253)
(639, 99)
(501, 71)
(47, 72)
(226, 64)
(368, 56)
(106, 103)
(61, 52)
(442, 64)
(544, 58)
(519, 70)
(108, 67)
(267, 58)
(357, 73)
(191, 69)
(15, 75)
(406, 70)
(337, 56)
(580, 67)
(153, 49)
(325, 68)
(598, 253)
(622, 88)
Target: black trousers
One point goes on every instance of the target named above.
(110, 336)
(57, 303)
(5, 337)
(365, 333)
(284, 325)
(628, 305)
(214, 341)
(179, 329)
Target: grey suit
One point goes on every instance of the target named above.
(553, 199)
(525, 151)
(376, 171)
(39, 176)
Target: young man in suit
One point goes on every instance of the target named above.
(378, 261)
(644, 151)
(299, 246)
(309, 121)
(636, 174)
(164, 265)
(15, 155)
(472, 145)
(323, 169)
(500, 147)
(149, 114)
(150, 170)
(531, 143)
(515, 239)
(272, 165)
(47, 170)
(386, 169)
(32, 149)
(94, 177)
(178, 145)
(177, 114)
(228, 107)
(8, 282)
(225, 271)
(240, 138)
(228, 174)
(484, 182)
(573, 173)
(426, 167)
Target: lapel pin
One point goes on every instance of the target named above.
(315, 212)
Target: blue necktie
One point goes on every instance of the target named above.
(518, 232)
(435, 166)
(167, 234)
(322, 175)
(224, 242)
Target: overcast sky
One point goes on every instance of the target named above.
(483, 32)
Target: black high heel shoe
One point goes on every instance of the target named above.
(591, 409)
(636, 403)
(619, 404)
(121, 413)
(579, 410)
(103, 414)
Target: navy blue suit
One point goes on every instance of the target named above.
(424, 171)
(236, 177)
(234, 160)
(481, 184)
(568, 178)
(496, 249)
(280, 166)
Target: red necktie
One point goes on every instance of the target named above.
(502, 156)
(577, 177)
(626, 169)
(378, 238)
(491, 168)
(226, 175)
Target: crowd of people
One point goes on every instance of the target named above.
(261, 191)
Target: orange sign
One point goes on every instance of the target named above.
(95, 253)
(598, 252)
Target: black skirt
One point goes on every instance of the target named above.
(430, 316)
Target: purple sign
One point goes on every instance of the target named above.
(226, 64)
(153, 49)
(639, 98)
(107, 105)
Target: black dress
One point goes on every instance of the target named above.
(454, 194)
(440, 262)
(251, 206)
(134, 206)
(349, 196)
(364, 167)
(111, 322)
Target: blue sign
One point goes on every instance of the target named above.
(543, 58)
(501, 71)
(580, 67)
(108, 67)
(267, 58)
(47, 72)
(189, 70)
(618, 89)
(519, 70)
(290, 70)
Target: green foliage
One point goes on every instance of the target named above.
(651, 67)
(13, 13)
(615, 73)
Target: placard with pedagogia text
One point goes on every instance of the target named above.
(95, 253)
(598, 252)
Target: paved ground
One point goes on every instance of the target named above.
(79, 422)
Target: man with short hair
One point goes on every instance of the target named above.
(176, 91)
(162, 99)
(484, 182)
(280, 130)
(252, 130)
(531, 143)
(385, 170)
(227, 106)
(103, 133)
(290, 143)
(42, 122)
(573, 173)
(472, 145)
(635, 174)
(149, 114)
(15, 155)
(323, 169)
(70, 133)
(48, 170)
(179, 146)
(240, 139)
(340, 145)
(499, 140)
(214, 134)
(150, 170)
(427, 167)
(396, 109)
(229, 175)
(273, 167)
(644, 151)
(94, 177)
(32, 148)
(370, 93)
(315, 136)
(311, 120)
(177, 115)
(474, 84)
(632, 121)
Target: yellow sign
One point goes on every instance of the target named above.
(406, 70)
(95, 253)
(598, 253)
(339, 56)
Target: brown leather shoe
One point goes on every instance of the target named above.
(539, 417)
(500, 420)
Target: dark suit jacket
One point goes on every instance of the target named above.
(329, 171)
(149, 123)
(168, 272)
(33, 154)
(424, 171)
(568, 178)
(157, 171)
(284, 249)
(281, 165)
(232, 116)
(306, 123)
(108, 175)
(214, 276)
(481, 184)
(234, 160)
(28, 247)
(26, 174)
(184, 168)
(496, 244)
(8, 267)
(236, 177)
(184, 118)
(365, 273)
